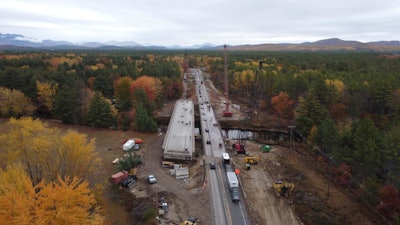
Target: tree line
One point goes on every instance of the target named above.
(88, 88)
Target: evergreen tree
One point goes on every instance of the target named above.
(391, 156)
(101, 113)
(67, 105)
(327, 136)
(103, 84)
(144, 122)
(310, 112)
(122, 93)
(366, 154)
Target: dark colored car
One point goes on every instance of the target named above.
(212, 165)
(128, 181)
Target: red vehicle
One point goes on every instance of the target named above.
(118, 177)
(228, 114)
(239, 148)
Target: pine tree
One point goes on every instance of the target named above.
(101, 112)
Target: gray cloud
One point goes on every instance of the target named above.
(181, 22)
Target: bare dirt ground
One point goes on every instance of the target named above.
(125, 206)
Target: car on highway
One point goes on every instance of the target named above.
(212, 165)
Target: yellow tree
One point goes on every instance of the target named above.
(46, 93)
(75, 155)
(17, 197)
(338, 86)
(13, 103)
(46, 152)
(65, 201)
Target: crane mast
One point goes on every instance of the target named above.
(226, 112)
(226, 74)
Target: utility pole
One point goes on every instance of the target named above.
(291, 127)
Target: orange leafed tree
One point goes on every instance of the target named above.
(282, 105)
(90, 82)
(152, 87)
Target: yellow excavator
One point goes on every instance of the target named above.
(252, 160)
(191, 221)
(284, 189)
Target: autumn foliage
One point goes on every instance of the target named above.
(46, 93)
(13, 103)
(390, 201)
(343, 174)
(151, 86)
(64, 201)
(282, 105)
(46, 153)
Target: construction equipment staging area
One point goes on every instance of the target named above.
(179, 140)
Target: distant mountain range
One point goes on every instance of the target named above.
(18, 41)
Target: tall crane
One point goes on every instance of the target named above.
(226, 112)
(256, 93)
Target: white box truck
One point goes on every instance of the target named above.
(233, 184)
(128, 146)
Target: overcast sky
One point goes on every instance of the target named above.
(233, 22)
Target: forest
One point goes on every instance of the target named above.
(345, 105)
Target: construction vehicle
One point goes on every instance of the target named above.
(226, 112)
(239, 147)
(284, 189)
(265, 148)
(191, 221)
(252, 160)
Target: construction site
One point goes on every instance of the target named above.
(279, 181)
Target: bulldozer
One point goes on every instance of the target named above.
(252, 160)
(191, 221)
(284, 189)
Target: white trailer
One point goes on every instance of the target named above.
(233, 184)
(232, 180)
(128, 146)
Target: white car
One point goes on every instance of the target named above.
(152, 179)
